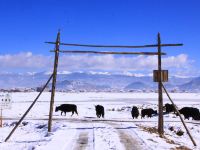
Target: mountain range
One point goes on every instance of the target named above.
(96, 81)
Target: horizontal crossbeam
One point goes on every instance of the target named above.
(115, 46)
(117, 53)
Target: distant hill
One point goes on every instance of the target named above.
(78, 85)
(137, 85)
(193, 85)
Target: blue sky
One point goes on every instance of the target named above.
(26, 25)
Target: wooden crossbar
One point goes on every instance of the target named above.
(107, 52)
(115, 46)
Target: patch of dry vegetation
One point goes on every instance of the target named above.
(155, 130)
(181, 148)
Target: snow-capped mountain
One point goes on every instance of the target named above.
(193, 85)
(94, 80)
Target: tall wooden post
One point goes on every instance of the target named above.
(1, 119)
(54, 81)
(160, 96)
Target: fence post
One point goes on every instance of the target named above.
(54, 81)
(160, 96)
(1, 119)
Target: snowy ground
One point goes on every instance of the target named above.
(117, 131)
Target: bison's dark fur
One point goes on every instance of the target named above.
(67, 108)
(149, 112)
(135, 112)
(99, 111)
(169, 108)
(190, 112)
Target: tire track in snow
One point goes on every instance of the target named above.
(82, 141)
(106, 137)
(129, 142)
(95, 136)
(128, 138)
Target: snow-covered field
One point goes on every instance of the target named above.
(117, 131)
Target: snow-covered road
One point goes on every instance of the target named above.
(95, 136)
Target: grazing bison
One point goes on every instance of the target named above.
(149, 112)
(67, 108)
(135, 112)
(190, 112)
(169, 108)
(99, 111)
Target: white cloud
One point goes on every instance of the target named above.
(178, 61)
(27, 60)
(24, 60)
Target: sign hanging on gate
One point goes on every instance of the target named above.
(5, 101)
(164, 76)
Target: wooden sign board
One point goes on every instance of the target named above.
(164, 76)
(5, 101)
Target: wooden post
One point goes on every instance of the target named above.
(160, 96)
(176, 109)
(24, 115)
(54, 81)
(1, 119)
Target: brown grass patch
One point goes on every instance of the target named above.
(155, 130)
(149, 129)
(181, 148)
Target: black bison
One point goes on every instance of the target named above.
(135, 112)
(67, 108)
(149, 112)
(99, 111)
(190, 112)
(169, 108)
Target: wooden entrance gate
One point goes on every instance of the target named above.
(159, 75)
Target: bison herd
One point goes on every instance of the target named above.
(187, 112)
(73, 108)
